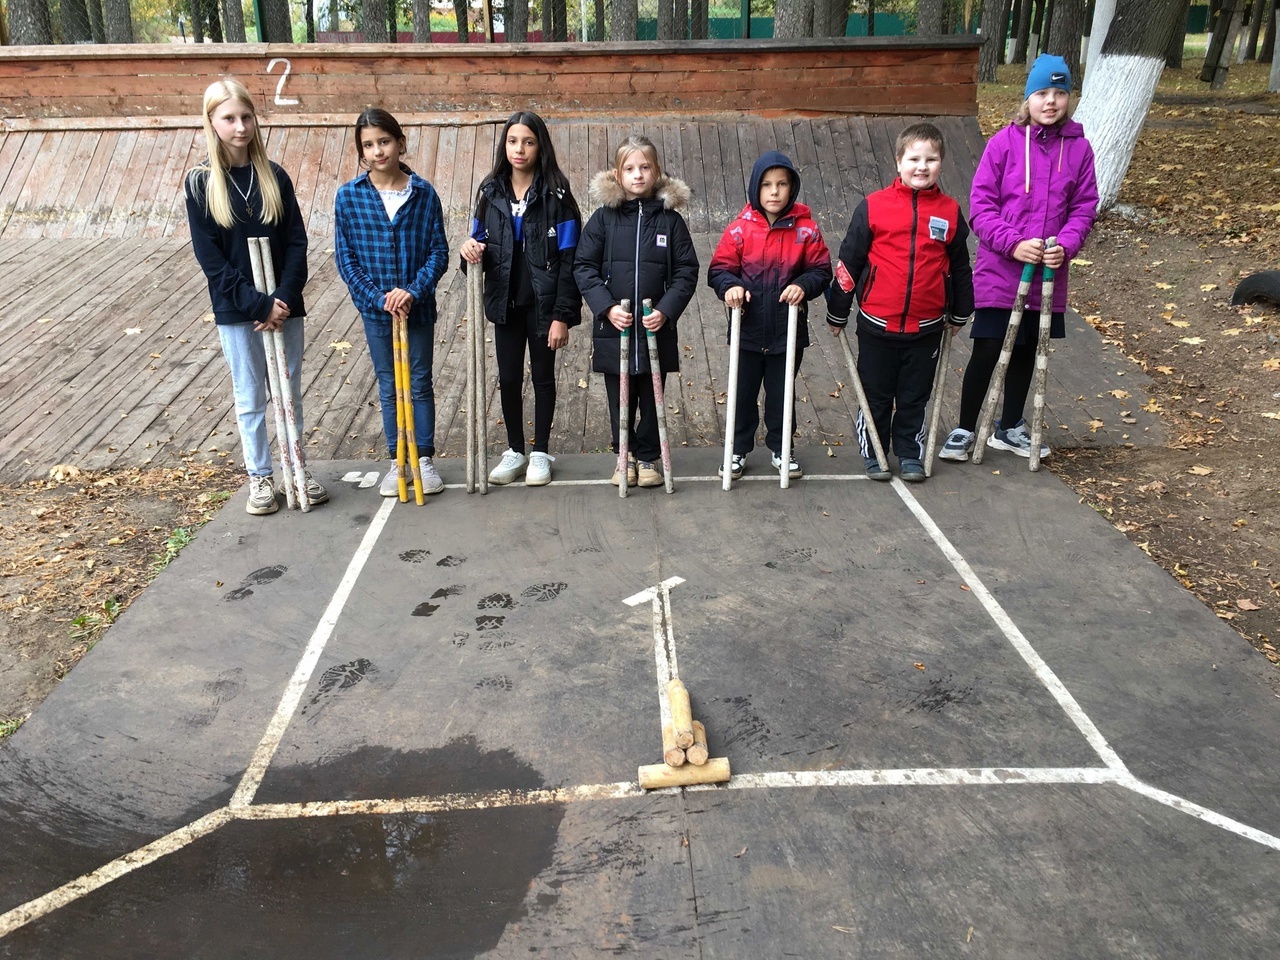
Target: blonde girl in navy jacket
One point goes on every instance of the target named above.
(391, 251)
(237, 193)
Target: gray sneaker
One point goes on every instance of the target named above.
(390, 486)
(316, 493)
(1017, 439)
(431, 482)
(958, 446)
(262, 496)
(511, 467)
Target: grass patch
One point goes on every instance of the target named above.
(9, 726)
(88, 627)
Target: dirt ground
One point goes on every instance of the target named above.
(1201, 211)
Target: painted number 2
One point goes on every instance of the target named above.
(281, 100)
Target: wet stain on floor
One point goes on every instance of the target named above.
(404, 886)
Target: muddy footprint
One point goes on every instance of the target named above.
(542, 592)
(451, 561)
(490, 622)
(499, 682)
(415, 556)
(496, 601)
(259, 577)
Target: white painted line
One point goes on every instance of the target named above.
(169, 843)
(446, 803)
(648, 593)
(709, 478)
(257, 768)
(1020, 643)
(921, 777)
(1201, 813)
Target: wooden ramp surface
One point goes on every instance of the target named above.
(112, 359)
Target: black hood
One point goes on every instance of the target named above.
(768, 161)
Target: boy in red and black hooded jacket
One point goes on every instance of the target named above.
(772, 256)
(906, 257)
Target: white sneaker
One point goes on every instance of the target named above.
(539, 473)
(958, 446)
(431, 480)
(262, 496)
(510, 467)
(391, 482)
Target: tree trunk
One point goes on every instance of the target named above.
(622, 19)
(1010, 40)
(546, 20)
(698, 18)
(793, 18)
(1024, 32)
(1173, 56)
(1261, 12)
(233, 14)
(1035, 42)
(4, 29)
(834, 21)
(29, 22)
(1218, 56)
(464, 26)
(1269, 40)
(666, 29)
(1125, 75)
(393, 24)
(1273, 84)
(212, 21)
(929, 18)
(993, 24)
(559, 20)
(276, 20)
(1065, 32)
(95, 20)
(335, 17)
(515, 19)
(75, 22)
(197, 22)
(118, 21)
(871, 18)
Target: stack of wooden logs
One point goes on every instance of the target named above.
(686, 759)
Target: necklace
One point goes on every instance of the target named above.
(244, 194)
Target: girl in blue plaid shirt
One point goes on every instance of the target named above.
(391, 250)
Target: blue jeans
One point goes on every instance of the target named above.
(247, 358)
(421, 389)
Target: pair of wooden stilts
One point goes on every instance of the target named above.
(292, 462)
(685, 757)
(624, 401)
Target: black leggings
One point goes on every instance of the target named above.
(509, 340)
(977, 377)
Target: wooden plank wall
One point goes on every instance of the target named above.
(870, 76)
(112, 360)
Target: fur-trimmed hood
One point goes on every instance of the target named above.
(605, 191)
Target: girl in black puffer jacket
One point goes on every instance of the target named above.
(636, 246)
(524, 234)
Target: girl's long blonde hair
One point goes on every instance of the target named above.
(217, 199)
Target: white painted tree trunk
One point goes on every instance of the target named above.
(1273, 86)
(1112, 111)
(1103, 11)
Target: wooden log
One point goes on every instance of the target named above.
(672, 755)
(655, 776)
(697, 754)
(681, 713)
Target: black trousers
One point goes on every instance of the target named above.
(897, 378)
(755, 369)
(644, 442)
(509, 342)
(977, 378)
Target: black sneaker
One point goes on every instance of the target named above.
(912, 471)
(736, 465)
(877, 472)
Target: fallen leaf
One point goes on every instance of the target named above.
(582, 384)
(1244, 604)
(1233, 332)
(842, 929)
(1193, 341)
(1167, 371)
(1120, 394)
(740, 853)
(132, 331)
(1164, 286)
(1206, 287)
(1200, 470)
(341, 345)
(919, 666)
(1095, 425)
(1179, 323)
(1272, 416)
(1082, 263)
(965, 588)
(830, 452)
(968, 936)
(1271, 364)
(45, 320)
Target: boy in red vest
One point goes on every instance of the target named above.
(906, 257)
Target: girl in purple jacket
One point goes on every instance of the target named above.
(1035, 182)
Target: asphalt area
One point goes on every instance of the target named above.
(964, 718)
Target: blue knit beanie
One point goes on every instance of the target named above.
(1048, 71)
